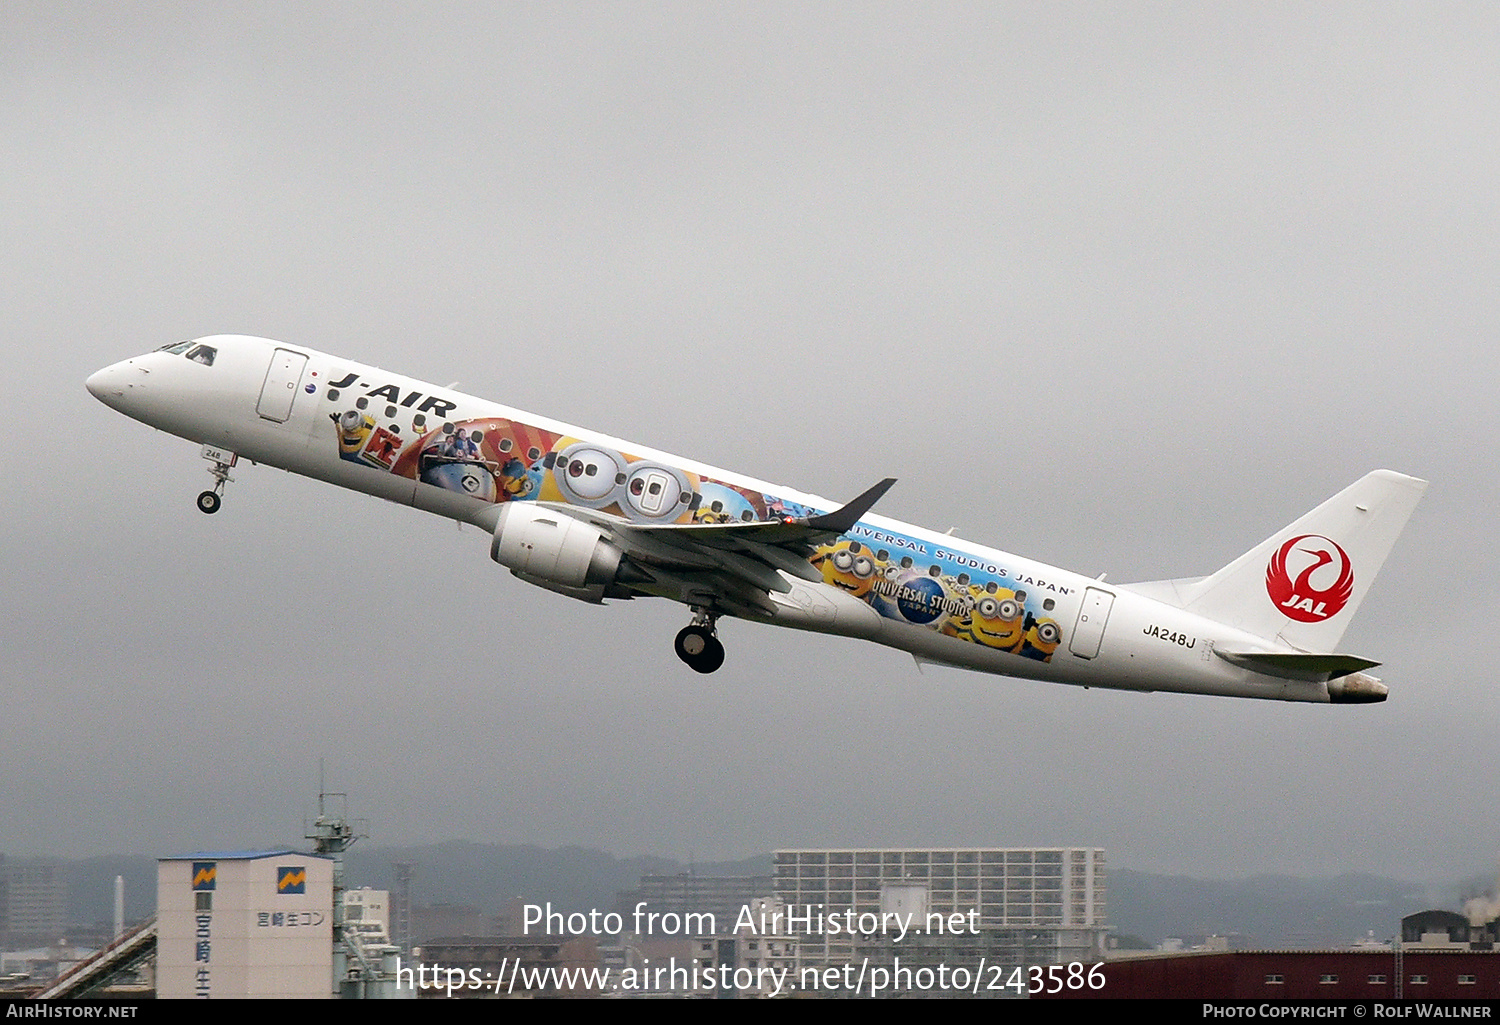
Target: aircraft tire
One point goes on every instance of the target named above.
(712, 657)
(700, 649)
(209, 502)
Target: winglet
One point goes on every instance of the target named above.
(843, 519)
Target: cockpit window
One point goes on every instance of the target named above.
(203, 354)
(178, 348)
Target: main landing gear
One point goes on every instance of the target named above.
(209, 501)
(698, 643)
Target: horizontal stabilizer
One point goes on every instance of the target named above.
(1298, 665)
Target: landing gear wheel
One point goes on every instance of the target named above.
(699, 648)
(223, 461)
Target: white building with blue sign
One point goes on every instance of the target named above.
(244, 924)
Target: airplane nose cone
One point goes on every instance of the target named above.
(98, 383)
(112, 384)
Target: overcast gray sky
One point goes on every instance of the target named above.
(1123, 287)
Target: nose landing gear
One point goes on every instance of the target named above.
(209, 501)
(698, 643)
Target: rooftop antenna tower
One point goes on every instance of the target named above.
(333, 833)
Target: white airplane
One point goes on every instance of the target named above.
(595, 518)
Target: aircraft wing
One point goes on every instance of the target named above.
(727, 567)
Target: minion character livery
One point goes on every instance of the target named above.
(1042, 638)
(849, 566)
(998, 620)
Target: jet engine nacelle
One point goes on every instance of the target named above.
(554, 550)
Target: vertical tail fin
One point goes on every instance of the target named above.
(1303, 584)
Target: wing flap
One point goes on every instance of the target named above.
(718, 591)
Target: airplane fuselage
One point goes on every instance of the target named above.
(941, 598)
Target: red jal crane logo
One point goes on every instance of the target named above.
(1300, 599)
